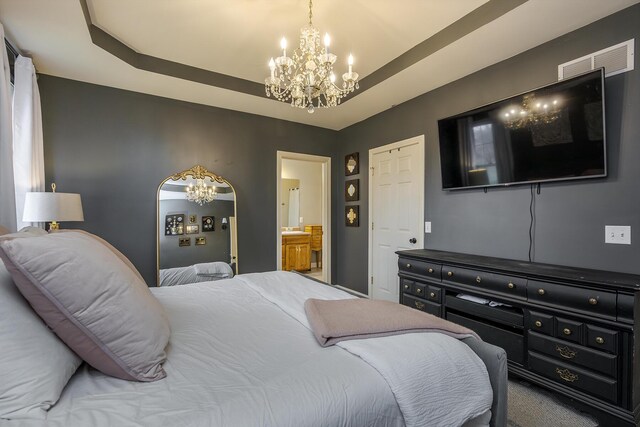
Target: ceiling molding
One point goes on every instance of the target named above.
(477, 18)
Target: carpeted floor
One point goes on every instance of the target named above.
(531, 406)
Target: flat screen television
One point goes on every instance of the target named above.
(553, 133)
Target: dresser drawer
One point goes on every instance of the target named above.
(419, 289)
(513, 286)
(540, 322)
(434, 294)
(575, 354)
(511, 342)
(421, 268)
(602, 339)
(422, 305)
(594, 302)
(406, 286)
(569, 330)
(594, 384)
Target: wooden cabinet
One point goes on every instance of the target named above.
(296, 252)
(316, 241)
(566, 329)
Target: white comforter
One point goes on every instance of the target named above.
(241, 354)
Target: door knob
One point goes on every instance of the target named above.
(412, 240)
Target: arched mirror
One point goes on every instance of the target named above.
(196, 228)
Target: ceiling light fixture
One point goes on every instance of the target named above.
(306, 80)
(200, 193)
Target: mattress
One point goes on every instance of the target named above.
(237, 358)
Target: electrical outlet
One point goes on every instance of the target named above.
(617, 234)
(427, 226)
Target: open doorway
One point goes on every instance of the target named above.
(303, 214)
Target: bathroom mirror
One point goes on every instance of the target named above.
(290, 203)
(196, 231)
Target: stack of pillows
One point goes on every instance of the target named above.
(66, 297)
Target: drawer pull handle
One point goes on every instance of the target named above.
(449, 273)
(406, 287)
(432, 294)
(419, 305)
(478, 279)
(538, 324)
(408, 265)
(418, 291)
(600, 340)
(430, 270)
(593, 301)
(566, 331)
(541, 291)
(567, 375)
(566, 352)
(511, 285)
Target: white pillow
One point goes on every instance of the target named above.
(35, 364)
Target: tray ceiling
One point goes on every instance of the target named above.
(216, 52)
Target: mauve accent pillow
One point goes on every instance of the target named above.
(34, 364)
(111, 248)
(93, 301)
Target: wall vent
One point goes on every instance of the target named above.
(615, 60)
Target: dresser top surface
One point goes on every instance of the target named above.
(532, 270)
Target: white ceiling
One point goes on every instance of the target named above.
(238, 37)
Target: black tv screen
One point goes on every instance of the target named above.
(553, 133)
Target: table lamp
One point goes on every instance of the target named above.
(53, 207)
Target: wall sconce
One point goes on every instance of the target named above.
(224, 223)
(54, 207)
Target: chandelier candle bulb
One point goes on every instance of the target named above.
(283, 46)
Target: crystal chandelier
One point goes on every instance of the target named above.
(532, 112)
(201, 193)
(306, 80)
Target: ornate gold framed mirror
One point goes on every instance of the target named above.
(196, 228)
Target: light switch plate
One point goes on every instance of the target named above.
(617, 234)
(427, 226)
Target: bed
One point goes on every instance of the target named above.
(241, 354)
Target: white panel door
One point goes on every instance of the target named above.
(396, 196)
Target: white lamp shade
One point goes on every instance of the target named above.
(42, 207)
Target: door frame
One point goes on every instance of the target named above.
(326, 207)
(420, 141)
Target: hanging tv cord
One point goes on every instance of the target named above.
(532, 214)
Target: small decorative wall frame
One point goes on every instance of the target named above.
(201, 241)
(193, 219)
(352, 190)
(184, 241)
(352, 216)
(174, 225)
(208, 223)
(351, 164)
(193, 229)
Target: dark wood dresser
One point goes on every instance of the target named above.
(570, 330)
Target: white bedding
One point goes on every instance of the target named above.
(237, 358)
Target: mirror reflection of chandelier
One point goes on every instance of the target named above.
(200, 193)
(306, 80)
(532, 112)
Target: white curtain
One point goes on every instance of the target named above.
(7, 189)
(28, 152)
(294, 207)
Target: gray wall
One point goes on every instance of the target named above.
(570, 216)
(114, 147)
(218, 242)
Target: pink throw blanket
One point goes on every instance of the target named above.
(333, 321)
